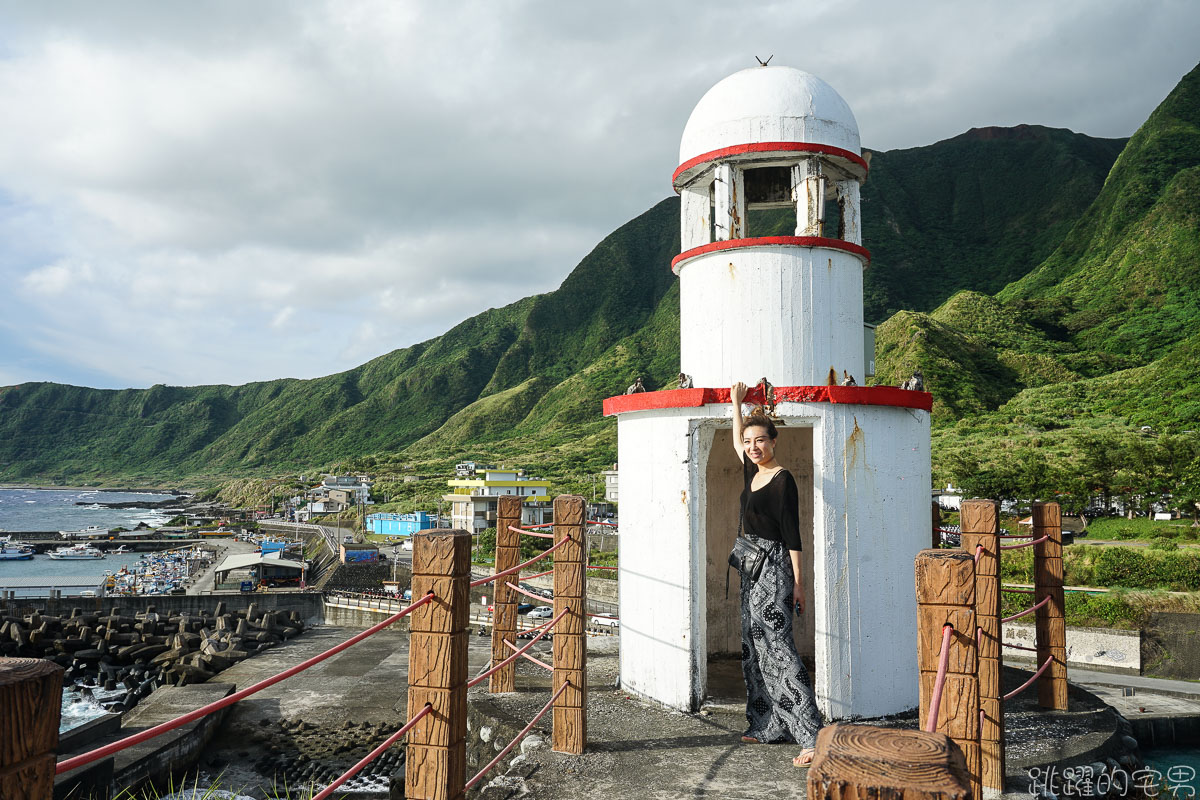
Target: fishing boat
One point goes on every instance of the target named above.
(76, 552)
(10, 551)
(90, 532)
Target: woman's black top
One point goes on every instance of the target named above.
(772, 512)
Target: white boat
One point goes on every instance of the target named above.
(76, 552)
(10, 551)
(90, 532)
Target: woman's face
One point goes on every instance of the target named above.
(760, 448)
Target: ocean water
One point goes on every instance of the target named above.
(1179, 768)
(56, 509)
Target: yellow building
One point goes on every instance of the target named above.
(473, 498)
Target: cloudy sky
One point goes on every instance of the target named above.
(221, 192)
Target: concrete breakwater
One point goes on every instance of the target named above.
(119, 658)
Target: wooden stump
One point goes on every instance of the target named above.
(30, 706)
(1050, 622)
(981, 526)
(864, 762)
(946, 595)
(437, 666)
(570, 639)
(504, 619)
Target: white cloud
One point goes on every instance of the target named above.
(241, 191)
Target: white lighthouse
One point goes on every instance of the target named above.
(784, 304)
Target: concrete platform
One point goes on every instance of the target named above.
(321, 721)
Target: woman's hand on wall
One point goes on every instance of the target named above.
(737, 393)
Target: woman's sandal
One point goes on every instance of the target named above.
(805, 759)
(749, 740)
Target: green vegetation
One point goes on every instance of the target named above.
(1120, 529)
(1045, 282)
(1175, 570)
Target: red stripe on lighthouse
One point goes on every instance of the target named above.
(769, 241)
(768, 147)
(694, 398)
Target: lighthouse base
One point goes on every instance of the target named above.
(863, 473)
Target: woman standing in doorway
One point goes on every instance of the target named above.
(780, 705)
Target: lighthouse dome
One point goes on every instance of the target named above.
(769, 105)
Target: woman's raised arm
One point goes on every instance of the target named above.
(737, 393)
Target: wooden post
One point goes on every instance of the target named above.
(31, 703)
(937, 525)
(857, 762)
(504, 618)
(1051, 618)
(437, 666)
(980, 525)
(946, 594)
(570, 639)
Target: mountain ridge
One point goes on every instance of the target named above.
(526, 380)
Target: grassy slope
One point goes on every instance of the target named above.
(1126, 278)
(1101, 336)
(55, 433)
(526, 381)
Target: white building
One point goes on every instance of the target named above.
(789, 308)
(611, 484)
(357, 486)
(473, 501)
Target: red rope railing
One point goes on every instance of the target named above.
(1029, 682)
(1023, 544)
(374, 754)
(538, 534)
(1029, 610)
(539, 575)
(547, 625)
(528, 657)
(519, 736)
(520, 566)
(531, 595)
(943, 663)
(978, 552)
(129, 741)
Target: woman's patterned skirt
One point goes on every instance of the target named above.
(780, 706)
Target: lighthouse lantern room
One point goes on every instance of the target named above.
(771, 288)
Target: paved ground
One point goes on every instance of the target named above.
(232, 547)
(321, 721)
(1149, 696)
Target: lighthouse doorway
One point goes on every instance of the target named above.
(723, 488)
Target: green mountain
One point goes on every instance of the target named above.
(1126, 279)
(949, 225)
(1100, 337)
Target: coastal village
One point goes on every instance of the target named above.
(946, 547)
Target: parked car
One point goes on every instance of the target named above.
(541, 612)
(606, 620)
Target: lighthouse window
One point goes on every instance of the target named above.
(768, 187)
